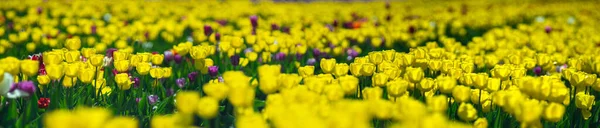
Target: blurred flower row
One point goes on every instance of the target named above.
(267, 64)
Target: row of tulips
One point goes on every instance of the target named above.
(325, 64)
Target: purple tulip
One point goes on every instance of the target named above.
(298, 56)
(235, 60)
(335, 23)
(274, 27)
(548, 29)
(311, 61)
(213, 70)
(110, 51)
(180, 82)
(169, 55)
(137, 100)
(207, 30)
(192, 76)
(285, 29)
(136, 82)
(170, 92)
(222, 22)
(254, 21)
(412, 29)
(26, 86)
(537, 70)
(152, 99)
(280, 56)
(177, 58)
(330, 27)
(352, 52)
(93, 29)
(39, 10)
(316, 52)
(218, 36)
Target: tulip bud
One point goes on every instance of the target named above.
(388, 55)
(97, 59)
(480, 80)
(67, 82)
(435, 65)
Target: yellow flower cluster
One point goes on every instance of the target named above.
(83, 117)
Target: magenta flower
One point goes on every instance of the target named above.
(208, 30)
(152, 99)
(213, 70)
(254, 21)
(192, 76)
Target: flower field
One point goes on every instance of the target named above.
(265, 64)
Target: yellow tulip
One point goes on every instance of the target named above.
(461, 93)
(29, 67)
(87, 75)
(349, 84)
(120, 55)
(327, 65)
(355, 68)
(414, 75)
(143, 68)
(72, 56)
(88, 52)
(435, 65)
(187, 101)
(73, 44)
(367, 69)
(467, 112)
(379, 79)
(445, 84)
(157, 59)
(341, 69)
(218, 91)
(96, 60)
(306, 71)
(252, 56)
(480, 80)
(426, 84)
(43, 79)
(68, 82)
(584, 101)
(156, 73)
(372, 93)
(333, 92)
(397, 88)
(242, 96)
(438, 103)
(55, 71)
(554, 112)
(375, 57)
(123, 81)
(480, 123)
(121, 65)
(167, 72)
(207, 107)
